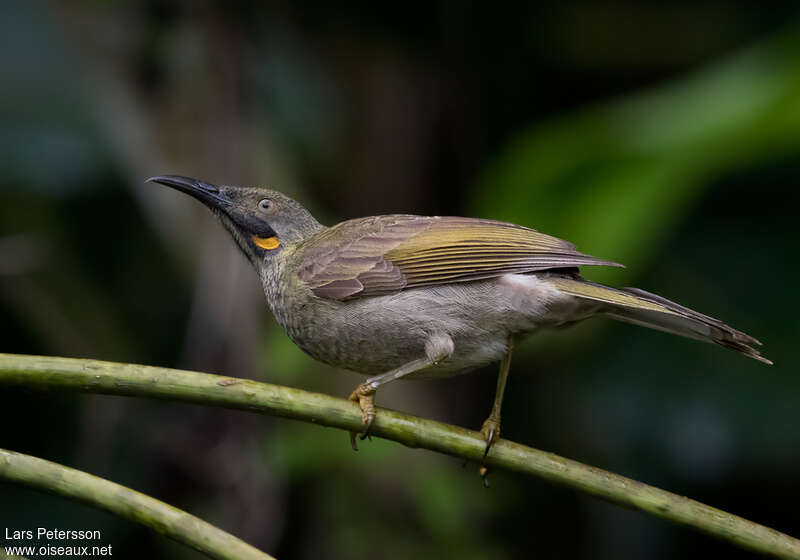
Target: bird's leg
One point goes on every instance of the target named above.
(437, 348)
(364, 394)
(491, 426)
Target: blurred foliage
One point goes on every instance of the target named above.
(662, 136)
(620, 175)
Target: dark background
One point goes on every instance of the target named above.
(664, 137)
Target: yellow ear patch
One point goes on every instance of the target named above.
(267, 243)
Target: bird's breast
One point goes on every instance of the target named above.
(307, 319)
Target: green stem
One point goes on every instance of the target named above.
(145, 381)
(126, 503)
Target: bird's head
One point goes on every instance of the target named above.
(262, 221)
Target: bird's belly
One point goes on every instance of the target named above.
(377, 334)
(357, 351)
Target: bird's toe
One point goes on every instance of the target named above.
(364, 396)
(491, 433)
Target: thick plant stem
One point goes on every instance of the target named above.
(124, 502)
(145, 381)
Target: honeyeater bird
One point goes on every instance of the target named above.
(404, 296)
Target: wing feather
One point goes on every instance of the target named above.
(385, 254)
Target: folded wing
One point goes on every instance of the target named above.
(385, 254)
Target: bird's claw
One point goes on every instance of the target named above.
(491, 433)
(484, 472)
(364, 396)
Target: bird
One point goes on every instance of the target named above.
(406, 296)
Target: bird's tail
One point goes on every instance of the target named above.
(649, 310)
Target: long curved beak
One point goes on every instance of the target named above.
(208, 194)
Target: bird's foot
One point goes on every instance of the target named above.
(364, 396)
(484, 472)
(491, 433)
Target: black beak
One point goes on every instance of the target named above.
(208, 194)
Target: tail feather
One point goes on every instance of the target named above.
(639, 307)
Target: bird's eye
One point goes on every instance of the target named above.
(266, 204)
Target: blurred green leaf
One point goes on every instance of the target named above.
(615, 177)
